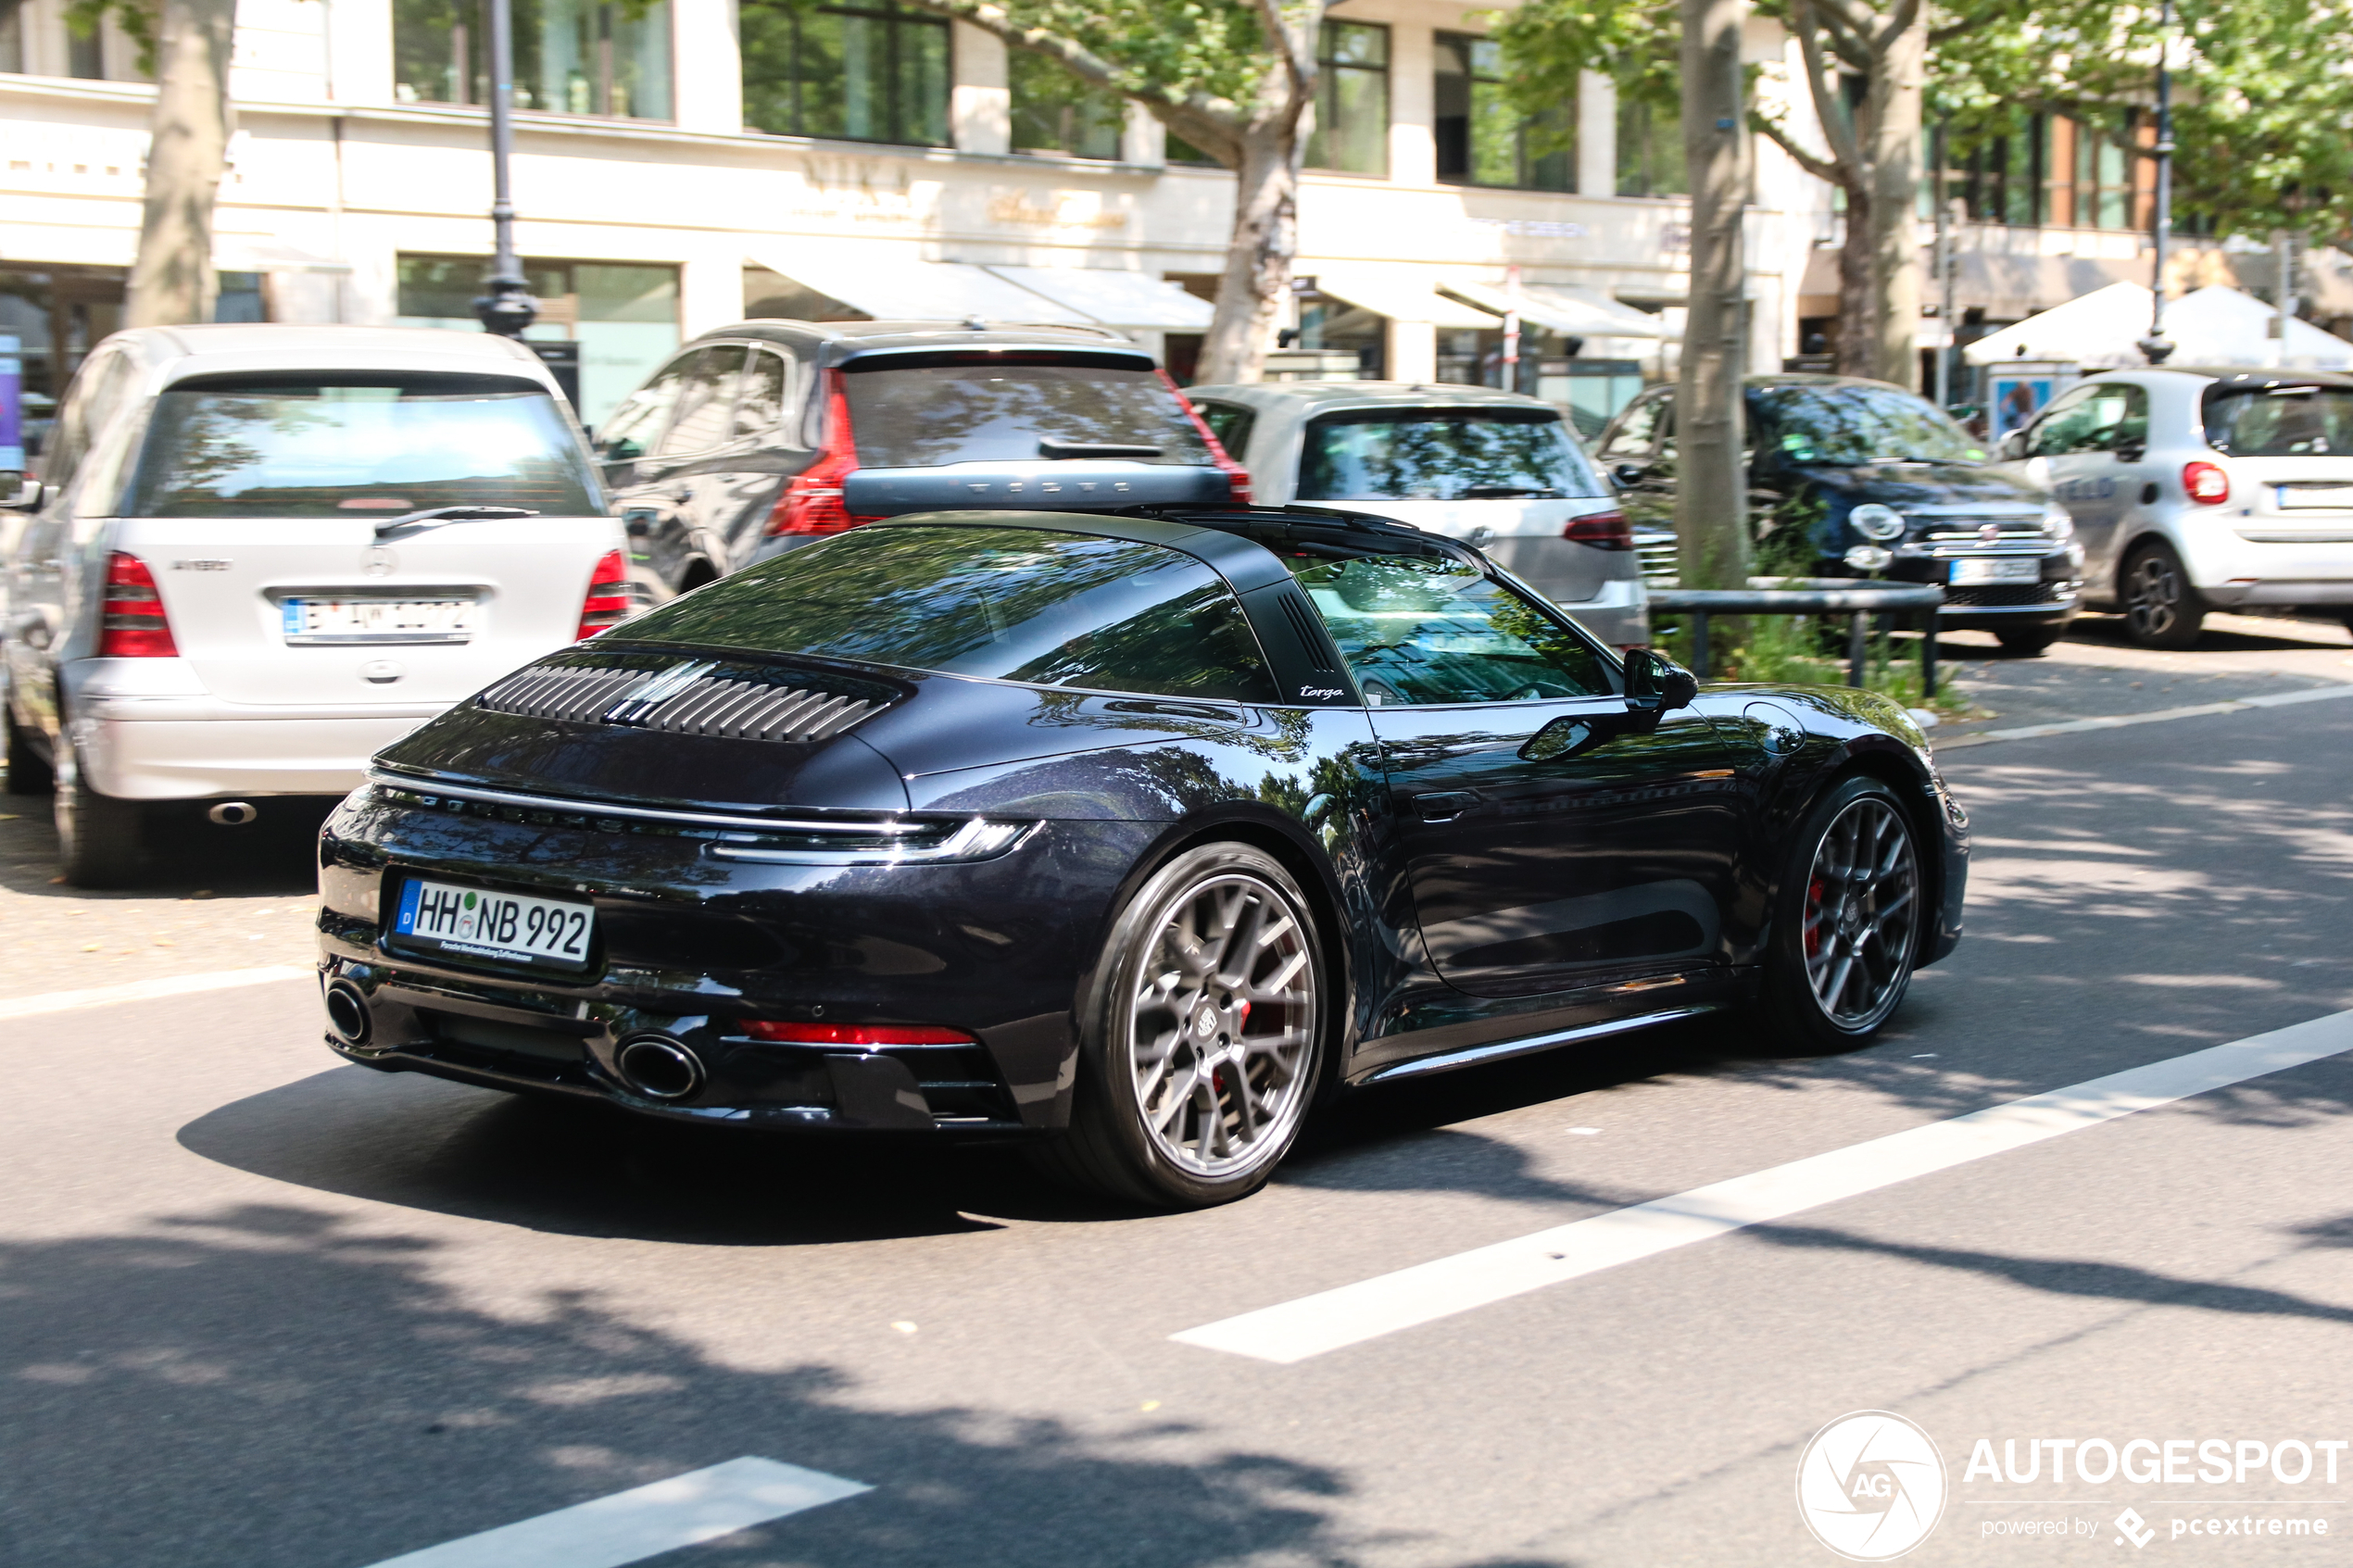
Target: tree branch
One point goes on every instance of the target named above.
(1277, 28)
(1906, 13)
(1837, 129)
(1848, 42)
(1813, 163)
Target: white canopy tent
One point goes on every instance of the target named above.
(1401, 294)
(1571, 312)
(890, 285)
(2210, 326)
(1116, 299)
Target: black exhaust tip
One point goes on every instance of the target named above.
(347, 1012)
(659, 1068)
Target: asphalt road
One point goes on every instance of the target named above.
(257, 1309)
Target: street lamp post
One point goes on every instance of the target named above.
(507, 308)
(2157, 347)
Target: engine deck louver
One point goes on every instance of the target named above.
(686, 699)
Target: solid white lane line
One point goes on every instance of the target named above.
(2122, 721)
(149, 990)
(630, 1526)
(1353, 1313)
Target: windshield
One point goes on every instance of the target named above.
(926, 415)
(1846, 426)
(1441, 455)
(272, 450)
(1010, 604)
(2282, 421)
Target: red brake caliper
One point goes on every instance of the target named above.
(1814, 908)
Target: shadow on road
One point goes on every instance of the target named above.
(273, 857)
(386, 1411)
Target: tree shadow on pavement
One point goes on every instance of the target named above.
(274, 855)
(152, 1423)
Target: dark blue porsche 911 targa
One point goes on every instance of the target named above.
(1136, 836)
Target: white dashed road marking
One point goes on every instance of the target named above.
(1427, 1292)
(2124, 720)
(630, 1526)
(150, 990)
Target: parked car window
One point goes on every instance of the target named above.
(1229, 422)
(80, 415)
(2098, 418)
(632, 430)
(919, 416)
(2284, 422)
(287, 447)
(1009, 603)
(706, 403)
(1848, 426)
(761, 403)
(1631, 441)
(1441, 455)
(1417, 632)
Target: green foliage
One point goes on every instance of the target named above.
(1157, 49)
(136, 18)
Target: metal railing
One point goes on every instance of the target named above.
(1812, 596)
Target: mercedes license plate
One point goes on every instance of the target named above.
(377, 621)
(513, 927)
(1997, 569)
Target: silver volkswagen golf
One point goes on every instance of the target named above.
(257, 555)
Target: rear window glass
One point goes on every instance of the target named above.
(2285, 422)
(1847, 426)
(923, 416)
(1441, 455)
(277, 450)
(1009, 603)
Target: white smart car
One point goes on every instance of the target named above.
(257, 555)
(2195, 490)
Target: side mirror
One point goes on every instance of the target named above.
(20, 492)
(2013, 446)
(1655, 684)
(1629, 475)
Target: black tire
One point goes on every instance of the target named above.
(98, 836)
(2026, 644)
(1150, 1022)
(1817, 910)
(2161, 610)
(28, 770)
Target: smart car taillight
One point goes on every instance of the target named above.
(1603, 530)
(607, 605)
(812, 502)
(2206, 483)
(853, 1033)
(1237, 476)
(134, 623)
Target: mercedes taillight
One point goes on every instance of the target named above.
(607, 605)
(135, 625)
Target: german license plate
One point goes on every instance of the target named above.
(2316, 497)
(377, 621)
(1995, 569)
(513, 927)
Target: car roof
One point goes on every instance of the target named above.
(1371, 394)
(838, 340)
(2253, 378)
(269, 346)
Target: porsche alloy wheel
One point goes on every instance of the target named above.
(1206, 1052)
(1862, 911)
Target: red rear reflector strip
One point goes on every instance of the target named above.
(853, 1033)
(134, 623)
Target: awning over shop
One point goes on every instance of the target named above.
(1572, 312)
(892, 286)
(1116, 299)
(2210, 326)
(1402, 296)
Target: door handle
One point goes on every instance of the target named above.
(1443, 806)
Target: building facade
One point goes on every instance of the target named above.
(681, 165)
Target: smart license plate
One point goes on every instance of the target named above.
(1996, 569)
(514, 927)
(377, 621)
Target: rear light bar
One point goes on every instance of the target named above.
(812, 502)
(2205, 483)
(607, 605)
(134, 624)
(853, 1033)
(1603, 530)
(1237, 476)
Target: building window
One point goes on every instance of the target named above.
(1482, 140)
(12, 35)
(571, 57)
(1055, 112)
(1650, 149)
(1351, 100)
(865, 72)
(2001, 179)
(623, 316)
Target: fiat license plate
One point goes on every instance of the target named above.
(543, 933)
(377, 621)
(1997, 569)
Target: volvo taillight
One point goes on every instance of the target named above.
(1237, 476)
(1603, 530)
(607, 605)
(2206, 483)
(812, 502)
(135, 625)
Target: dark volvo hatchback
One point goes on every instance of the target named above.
(1133, 836)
